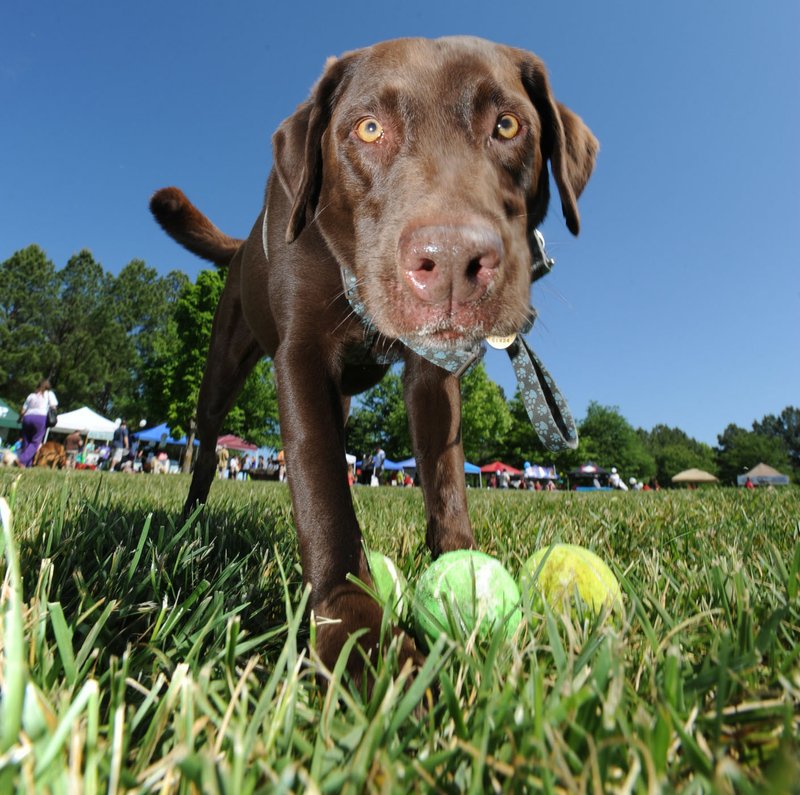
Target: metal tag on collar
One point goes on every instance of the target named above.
(501, 343)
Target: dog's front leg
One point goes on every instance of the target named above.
(433, 402)
(312, 430)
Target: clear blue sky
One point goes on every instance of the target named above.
(678, 303)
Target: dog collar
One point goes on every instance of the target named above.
(547, 409)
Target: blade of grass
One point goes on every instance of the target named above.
(13, 689)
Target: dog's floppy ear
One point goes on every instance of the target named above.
(297, 145)
(566, 141)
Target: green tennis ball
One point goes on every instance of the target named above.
(473, 589)
(570, 568)
(389, 582)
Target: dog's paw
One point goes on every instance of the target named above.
(348, 611)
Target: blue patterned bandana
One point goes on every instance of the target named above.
(546, 407)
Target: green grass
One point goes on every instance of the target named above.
(138, 654)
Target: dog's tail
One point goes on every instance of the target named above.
(183, 222)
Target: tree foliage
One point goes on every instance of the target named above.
(255, 414)
(132, 345)
(28, 301)
(86, 330)
(379, 418)
(179, 362)
(485, 416)
(785, 426)
(609, 440)
(674, 451)
(740, 450)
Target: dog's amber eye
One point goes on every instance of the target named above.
(507, 126)
(369, 130)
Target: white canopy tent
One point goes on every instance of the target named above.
(764, 475)
(88, 422)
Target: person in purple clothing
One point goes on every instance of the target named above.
(34, 416)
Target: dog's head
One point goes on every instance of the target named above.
(424, 165)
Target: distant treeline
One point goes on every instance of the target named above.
(133, 345)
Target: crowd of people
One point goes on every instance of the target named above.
(246, 467)
(124, 454)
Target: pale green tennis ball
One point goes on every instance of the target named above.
(570, 568)
(389, 582)
(472, 587)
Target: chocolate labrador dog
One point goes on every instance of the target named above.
(398, 217)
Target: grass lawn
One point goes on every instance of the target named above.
(141, 655)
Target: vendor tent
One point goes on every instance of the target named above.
(694, 476)
(589, 477)
(8, 417)
(539, 472)
(88, 422)
(499, 466)
(764, 475)
(411, 463)
(160, 434)
(588, 470)
(231, 442)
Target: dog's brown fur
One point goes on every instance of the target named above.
(434, 218)
(52, 455)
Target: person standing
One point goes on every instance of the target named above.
(378, 461)
(120, 443)
(281, 466)
(73, 445)
(222, 462)
(34, 420)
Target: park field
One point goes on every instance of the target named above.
(139, 654)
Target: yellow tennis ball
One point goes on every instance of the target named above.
(470, 588)
(568, 569)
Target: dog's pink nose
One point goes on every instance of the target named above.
(450, 263)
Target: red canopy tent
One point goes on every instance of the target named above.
(231, 442)
(499, 466)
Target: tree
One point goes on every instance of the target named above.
(785, 426)
(179, 363)
(28, 302)
(608, 439)
(93, 351)
(521, 442)
(675, 451)
(379, 418)
(255, 414)
(181, 369)
(141, 304)
(740, 450)
(92, 334)
(485, 415)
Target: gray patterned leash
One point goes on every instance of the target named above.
(546, 406)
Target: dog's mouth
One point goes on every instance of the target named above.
(449, 331)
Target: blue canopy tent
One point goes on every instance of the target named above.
(411, 463)
(160, 434)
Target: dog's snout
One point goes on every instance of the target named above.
(449, 263)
